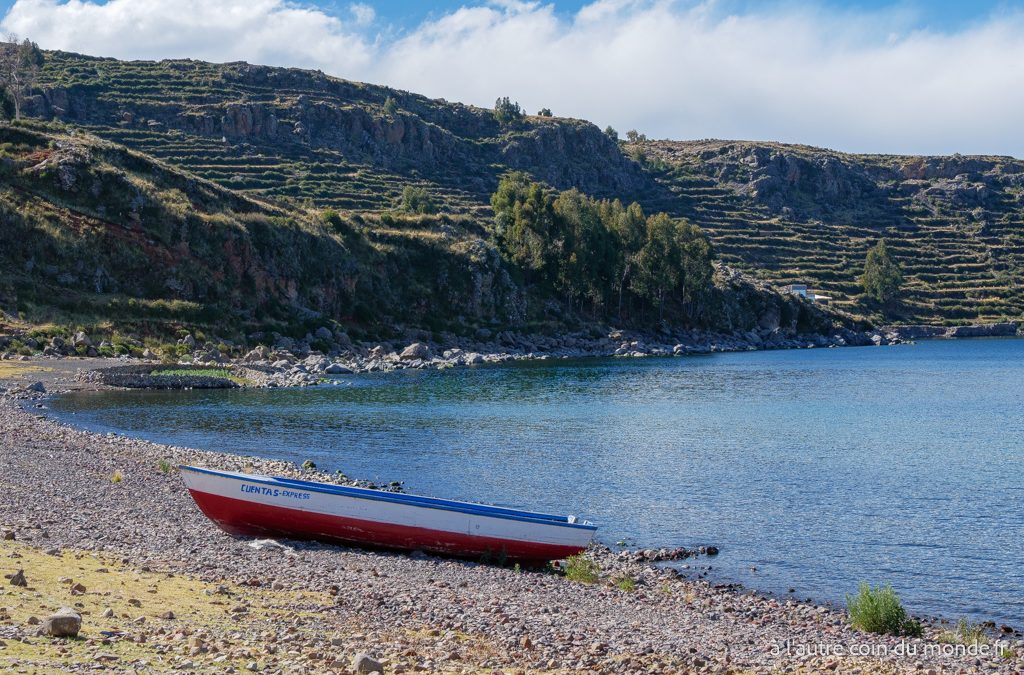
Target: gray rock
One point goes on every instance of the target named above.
(415, 351)
(66, 622)
(337, 369)
(81, 340)
(324, 333)
(18, 579)
(364, 663)
(36, 387)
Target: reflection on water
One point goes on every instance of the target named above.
(819, 468)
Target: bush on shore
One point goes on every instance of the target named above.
(582, 569)
(879, 610)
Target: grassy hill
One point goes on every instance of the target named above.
(106, 239)
(799, 214)
(273, 148)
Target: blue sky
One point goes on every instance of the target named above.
(910, 77)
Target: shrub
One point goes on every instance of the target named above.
(544, 112)
(165, 466)
(506, 112)
(117, 477)
(627, 584)
(582, 569)
(964, 633)
(879, 610)
(309, 465)
(390, 106)
(332, 219)
(417, 200)
(611, 133)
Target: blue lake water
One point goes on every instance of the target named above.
(819, 468)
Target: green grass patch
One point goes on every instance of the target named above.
(582, 569)
(879, 610)
(627, 584)
(964, 633)
(221, 373)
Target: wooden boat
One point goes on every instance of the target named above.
(264, 506)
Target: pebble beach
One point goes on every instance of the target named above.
(175, 594)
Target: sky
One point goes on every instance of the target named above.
(911, 76)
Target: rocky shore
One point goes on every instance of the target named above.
(177, 595)
(290, 362)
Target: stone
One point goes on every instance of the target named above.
(81, 340)
(337, 369)
(364, 663)
(108, 613)
(18, 578)
(65, 622)
(324, 333)
(38, 387)
(168, 615)
(417, 350)
(8, 535)
(148, 354)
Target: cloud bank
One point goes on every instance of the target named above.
(858, 81)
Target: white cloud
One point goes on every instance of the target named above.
(799, 73)
(260, 31)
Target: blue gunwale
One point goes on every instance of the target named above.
(399, 498)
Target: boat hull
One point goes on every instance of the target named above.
(259, 506)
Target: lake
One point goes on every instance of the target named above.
(811, 469)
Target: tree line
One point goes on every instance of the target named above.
(600, 255)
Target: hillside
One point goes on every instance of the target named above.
(292, 133)
(103, 238)
(800, 214)
(289, 143)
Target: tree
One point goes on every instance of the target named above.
(630, 227)
(634, 136)
(524, 221)
(695, 271)
(882, 278)
(507, 112)
(658, 262)
(390, 106)
(19, 67)
(544, 112)
(611, 133)
(417, 200)
(588, 248)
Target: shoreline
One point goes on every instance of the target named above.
(64, 498)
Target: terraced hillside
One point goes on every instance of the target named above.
(788, 214)
(801, 214)
(279, 132)
(100, 236)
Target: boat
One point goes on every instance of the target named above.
(274, 507)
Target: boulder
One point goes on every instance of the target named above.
(337, 369)
(37, 387)
(18, 579)
(415, 351)
(66, 622)
(364, 663)
(324, 333)
(81, 340)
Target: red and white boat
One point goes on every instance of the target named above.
(264, 506)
